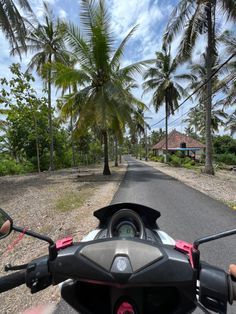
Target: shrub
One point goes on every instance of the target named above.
(153, 158)
(186, 160)
(161, 158)
(175, 161)
(157, 158)
(228, 159)
(28, 166)
(11, 167)
(188, 166)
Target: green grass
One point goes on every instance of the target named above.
(72, 200)
(232, 205)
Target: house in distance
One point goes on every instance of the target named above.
(179, 142)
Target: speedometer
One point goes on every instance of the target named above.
(126, 231)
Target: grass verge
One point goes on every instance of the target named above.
(73, 199)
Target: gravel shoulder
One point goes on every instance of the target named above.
(57, 204)
(222, 186)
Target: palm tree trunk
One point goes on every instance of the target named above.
(136, 149)
(71, 134)
(72, 142)
(116, 152)
(166, 128)
(208, 104)
(106, 169)
(37, 143)
(50, 118)
(140, 149)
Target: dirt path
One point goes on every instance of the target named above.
(57, 204)
(222, 186)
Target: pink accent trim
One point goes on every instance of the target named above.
(63, 243)
(186, 247)
(15, 242)
(125, 307)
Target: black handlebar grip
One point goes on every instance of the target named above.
(12, 281)
(233, 288)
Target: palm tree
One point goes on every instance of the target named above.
(163, 80)
(12, 23)
(229, 40)
(196, 18)
(103, 98)
(46, 41)
(194, 120)
(137, 127)
(231, 124)
(68, 109)
(196, 116)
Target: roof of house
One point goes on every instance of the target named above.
(175, 138)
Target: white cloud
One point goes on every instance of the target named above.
(147, 15)
(62, 14)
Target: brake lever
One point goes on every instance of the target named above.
(9, 267)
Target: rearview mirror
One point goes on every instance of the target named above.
(5, 224)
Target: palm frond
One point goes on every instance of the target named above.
(177, 20)
(115, 61)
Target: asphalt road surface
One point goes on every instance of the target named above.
(185, 213)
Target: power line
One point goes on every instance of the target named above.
(198, 88)
(219, 88)
(173, 124)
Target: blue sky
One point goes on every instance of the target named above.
(150, 15)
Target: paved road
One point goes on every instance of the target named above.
(185, 213)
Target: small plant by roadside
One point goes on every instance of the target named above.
(11, 167)
(157, 158)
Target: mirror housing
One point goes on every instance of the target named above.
(6, 224)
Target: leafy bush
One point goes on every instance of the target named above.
(157, 158)
(28, 166)
(228, 159)
(10, 167)
(188, 165)
(175, 161)
(189, 161)
(186, 160)
(224, 144)
(153, 158)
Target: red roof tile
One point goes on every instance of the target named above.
(175, 138)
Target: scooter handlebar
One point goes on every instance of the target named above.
(12, 281)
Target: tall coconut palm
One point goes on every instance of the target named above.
(229, 40)
(196, 116)
(196, 18)
(12, 23)
(46, 41)
(102, 99)
(136, 127)
(163, 80)
(68, 110)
